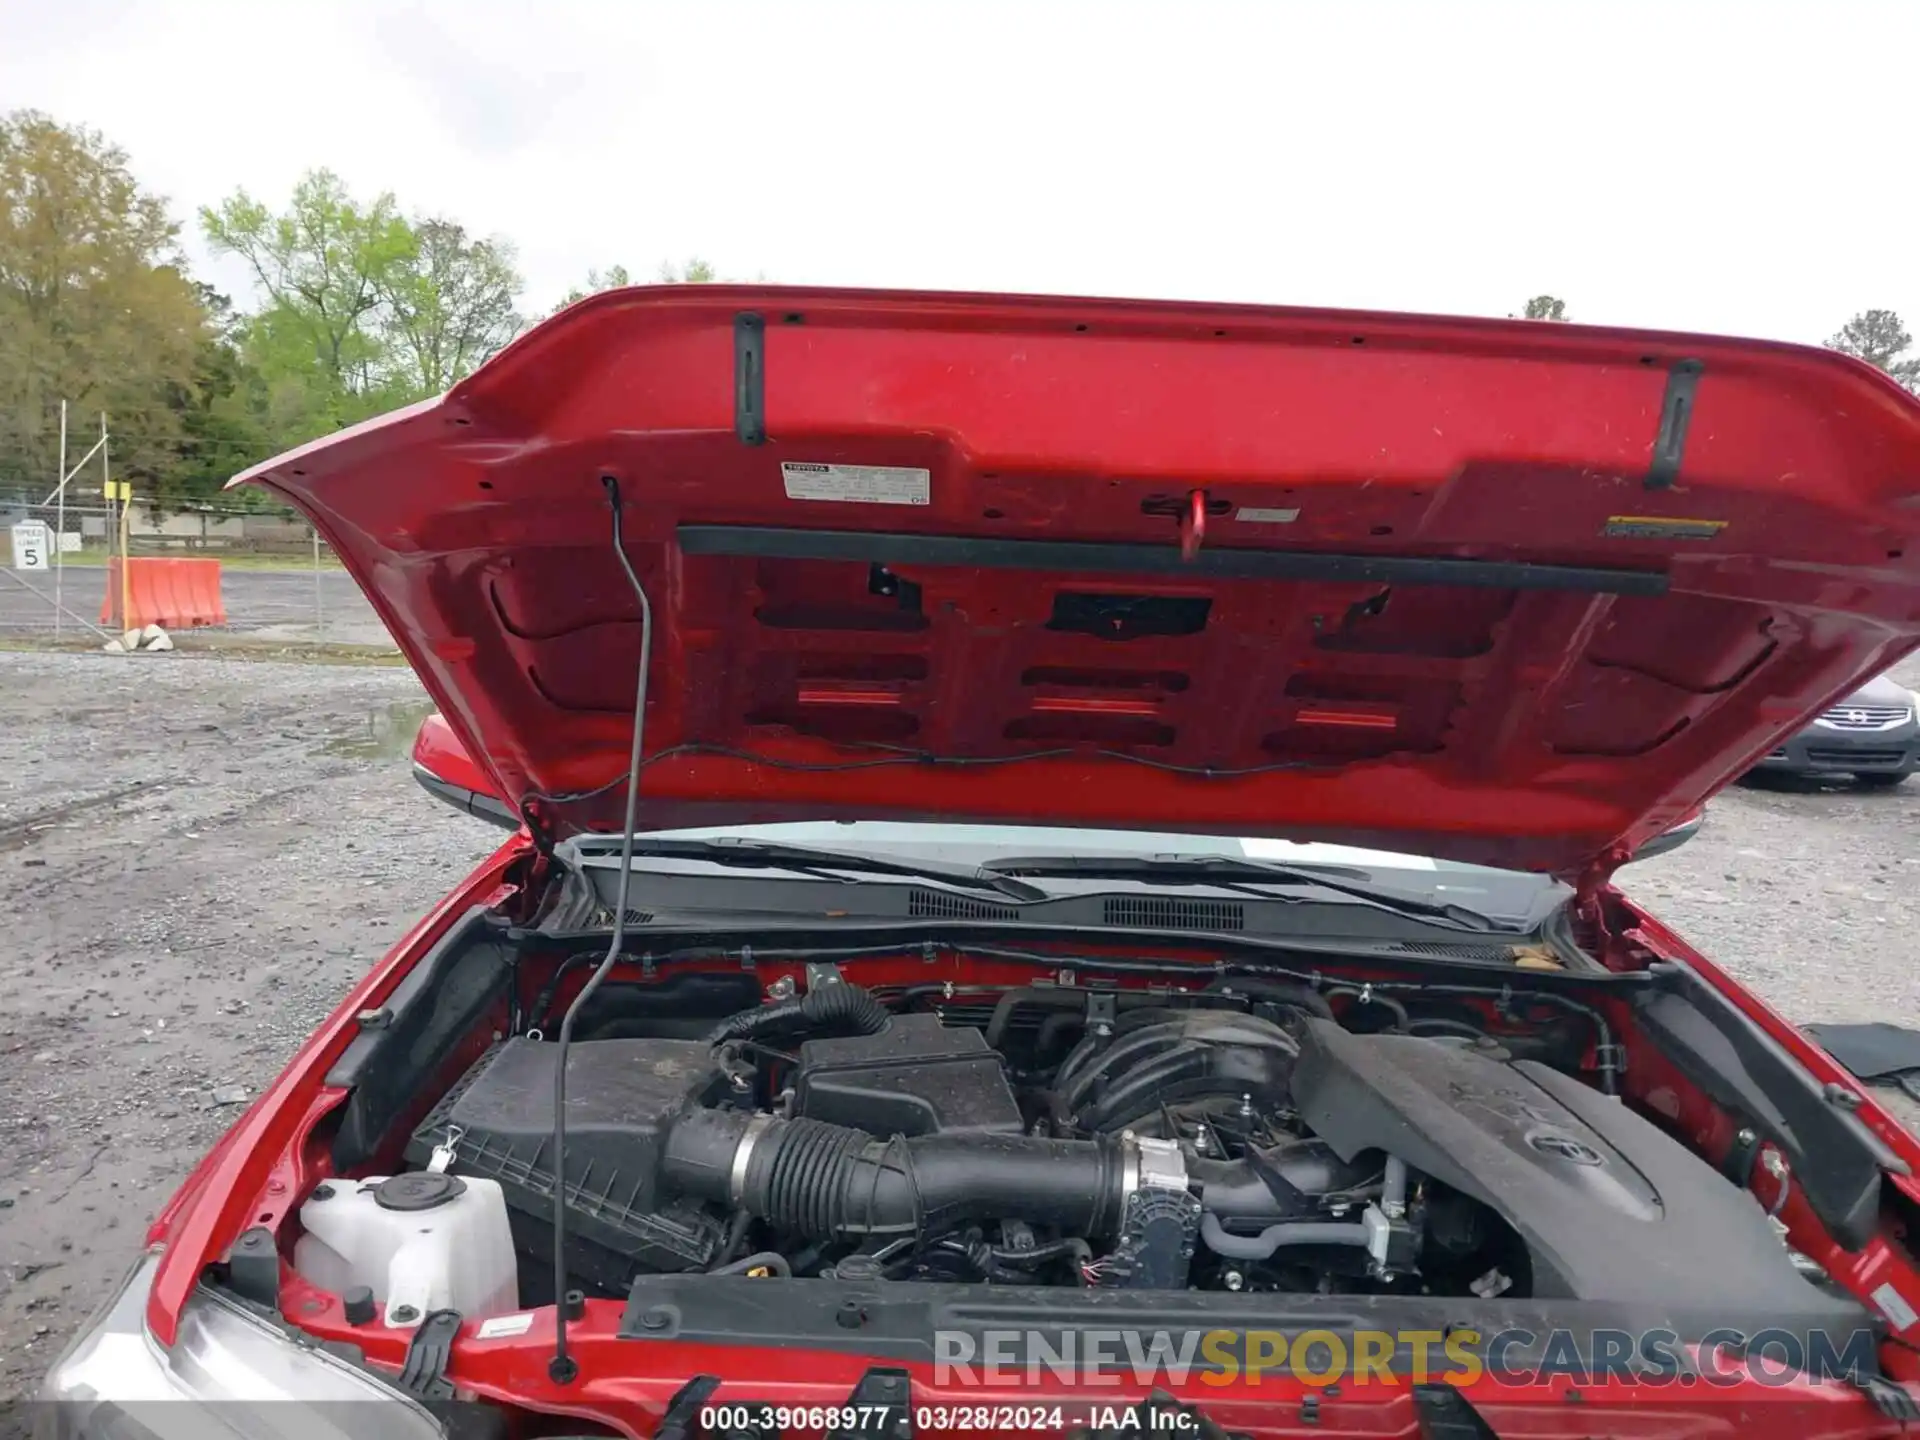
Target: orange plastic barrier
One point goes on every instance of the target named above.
(173, 594)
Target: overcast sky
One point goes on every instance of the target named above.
(1745, 168)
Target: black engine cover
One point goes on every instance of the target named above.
(916, 1077)
(1610, 1207)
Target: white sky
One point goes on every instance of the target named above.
(1742, 168)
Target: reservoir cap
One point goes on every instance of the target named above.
(418, 1190)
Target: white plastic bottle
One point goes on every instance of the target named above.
(422, 1241)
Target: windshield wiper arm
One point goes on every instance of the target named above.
(1228, 869)
(773, 854)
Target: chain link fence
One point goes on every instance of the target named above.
(279, 581)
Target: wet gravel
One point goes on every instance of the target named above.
(200, 854)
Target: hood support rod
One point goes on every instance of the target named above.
(562, 1368)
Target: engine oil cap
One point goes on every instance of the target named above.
(418, 1190)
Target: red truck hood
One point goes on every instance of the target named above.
(1509, 592)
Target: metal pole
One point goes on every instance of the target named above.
(126, 586)
(78, 465)
(319, 618)
(60, 530)
(126, 515)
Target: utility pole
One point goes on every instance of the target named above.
(60, 530)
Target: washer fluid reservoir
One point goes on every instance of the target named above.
(422, 1241)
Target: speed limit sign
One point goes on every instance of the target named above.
(32, 545)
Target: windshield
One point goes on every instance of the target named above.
(1055, 872)
(986, 844)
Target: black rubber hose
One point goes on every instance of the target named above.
(542, 1011)
(833, 1182)
(1279, 992)
(1361, 997)
(1051, 1029)
(840, 1009)
(1050, 996)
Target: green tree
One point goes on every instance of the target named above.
(1878, 337)
(325, 267)
(450, 303)
(94, 306)
(221, 413)
(1546, 307)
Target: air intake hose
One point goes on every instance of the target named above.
(838, 1009)
(834, 1182)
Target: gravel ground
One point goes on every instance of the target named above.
(199, 856)
(201, 853)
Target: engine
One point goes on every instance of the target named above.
(1253, 1136)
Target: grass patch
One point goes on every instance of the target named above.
(47, 645)
(282, 653)
(226, 647)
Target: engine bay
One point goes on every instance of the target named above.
(1246, 1135)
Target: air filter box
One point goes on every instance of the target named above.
(622, 1095)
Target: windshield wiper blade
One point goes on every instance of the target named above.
(1229, 869)
(774, 854)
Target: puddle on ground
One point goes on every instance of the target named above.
(385, 734)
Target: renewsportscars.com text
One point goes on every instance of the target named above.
(1457, 1357)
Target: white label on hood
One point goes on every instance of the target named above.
(500, 1326)
(1894, 1306)
(1261, 516)
(857, 484)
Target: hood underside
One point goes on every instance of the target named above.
(1517, 593)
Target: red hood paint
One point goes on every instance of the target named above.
(1509, 592)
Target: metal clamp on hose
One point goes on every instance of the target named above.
(743, 1153)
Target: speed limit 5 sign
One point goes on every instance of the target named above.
(32, 546)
